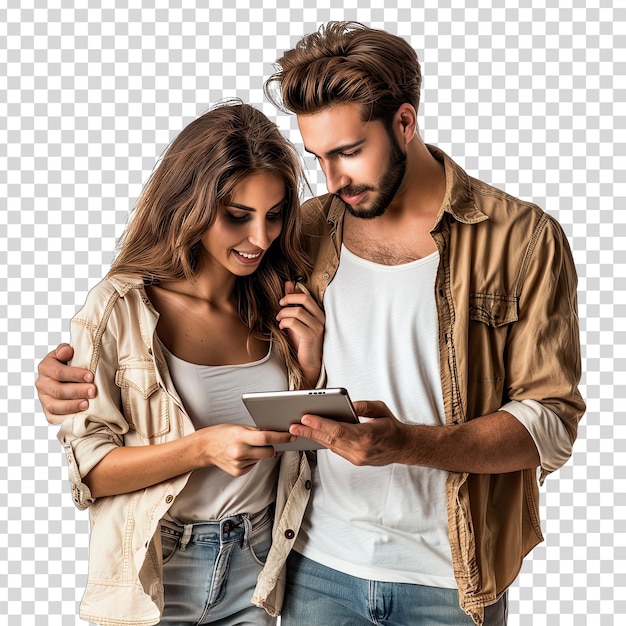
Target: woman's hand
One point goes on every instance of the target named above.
(236, 448)
(303, 321)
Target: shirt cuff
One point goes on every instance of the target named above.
(82, 455)
(547, 431)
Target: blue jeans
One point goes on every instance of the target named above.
(210, 570)
(317, 595)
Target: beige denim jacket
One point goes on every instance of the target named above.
(113, 335)
(508, 330)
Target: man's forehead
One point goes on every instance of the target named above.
(333, 128)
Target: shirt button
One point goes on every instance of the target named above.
(169, 499)
(307, 484)
(325, 275)
(289, 534)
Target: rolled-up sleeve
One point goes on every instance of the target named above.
(543, 348)
(547, 431)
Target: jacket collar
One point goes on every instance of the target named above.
(459, 197)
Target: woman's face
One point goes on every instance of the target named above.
(246, 224)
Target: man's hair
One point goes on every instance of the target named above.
(347, 62)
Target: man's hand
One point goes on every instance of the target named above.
(378, 441)
(63, 389)
(491, 444)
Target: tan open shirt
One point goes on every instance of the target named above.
(508, 331)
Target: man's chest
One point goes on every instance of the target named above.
(386, 245)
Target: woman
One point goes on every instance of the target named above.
(199, 306)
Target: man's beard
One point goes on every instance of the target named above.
(387, 188)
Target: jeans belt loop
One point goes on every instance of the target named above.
(247, 526)
(184, 540)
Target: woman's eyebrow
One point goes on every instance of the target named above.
(243, 207)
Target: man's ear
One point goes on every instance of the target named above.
(405, 121)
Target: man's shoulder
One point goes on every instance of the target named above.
(317, 207)
(514, 227)
(490, 196)
(500, 217)
(473, 201)
(506, 211)
(317, 214)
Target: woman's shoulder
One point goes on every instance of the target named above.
(103, 297)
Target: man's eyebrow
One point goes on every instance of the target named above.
(243, 207)
(339, 149)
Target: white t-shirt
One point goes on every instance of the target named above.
(381, 343)
(212, 395)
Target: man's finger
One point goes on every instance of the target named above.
(325, 431)
(64, 352)
(54, 369)
(302, 430)
(371, 408)
(57, 410)
(56, 391)
(54, 366)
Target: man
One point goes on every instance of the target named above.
(451, 303)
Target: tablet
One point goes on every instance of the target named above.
(277, 410)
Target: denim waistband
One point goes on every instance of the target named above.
(230, 528)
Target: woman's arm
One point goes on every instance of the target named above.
(99, 461)
(234, 448)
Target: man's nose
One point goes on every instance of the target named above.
(336, 178)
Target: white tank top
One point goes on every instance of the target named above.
(212, 395)
(381, 343)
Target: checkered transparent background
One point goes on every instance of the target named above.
(530, 99)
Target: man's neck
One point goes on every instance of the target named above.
(402, 233)
(424, 186)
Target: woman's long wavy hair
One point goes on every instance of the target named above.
(178, 205)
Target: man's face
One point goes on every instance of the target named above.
(363, 164)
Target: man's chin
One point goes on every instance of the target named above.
(365, 212)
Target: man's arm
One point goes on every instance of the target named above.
(543, 366)
(492, 444)
(63, 389)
